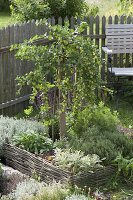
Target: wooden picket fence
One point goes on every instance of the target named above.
(10, 67)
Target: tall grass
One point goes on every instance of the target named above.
(106, 7)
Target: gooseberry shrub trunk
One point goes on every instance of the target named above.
(72, 61)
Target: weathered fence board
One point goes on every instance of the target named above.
(10, 67)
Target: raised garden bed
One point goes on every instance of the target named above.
(29, 164)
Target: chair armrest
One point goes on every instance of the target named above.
(106, 50)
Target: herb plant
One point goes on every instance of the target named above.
(75, 161)
(33, 142)
(125, 167)
(11, 126)
(93, 115)
(77, 197)
(33, 190)
(106, 144)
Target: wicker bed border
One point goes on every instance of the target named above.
(29, 163)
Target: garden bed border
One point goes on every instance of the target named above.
(31, 164)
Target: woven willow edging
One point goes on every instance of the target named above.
(29, 163)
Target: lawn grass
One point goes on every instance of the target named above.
(124, 107)
(5, 19)
(106, 7)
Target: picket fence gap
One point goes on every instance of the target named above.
(10, 67)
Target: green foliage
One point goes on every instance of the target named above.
(125, 166)
(33, 190)
(12, 126)
(106, 144)
(33, 142)
(126, 7)
(124, 109)
(75, 161)
(31, 9)
(123, 194)
(97, 115)
(61, 8)
(71, 59)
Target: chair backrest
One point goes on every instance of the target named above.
(119, 38)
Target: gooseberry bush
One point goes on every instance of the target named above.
(70, 60)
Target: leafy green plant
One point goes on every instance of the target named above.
(94, 115)
(33, 142)
(125, 166)
(11, 126)
(125, 7)
(31, 9)
(106, 144)
(73, 62)
(75, 161)
(33, 190)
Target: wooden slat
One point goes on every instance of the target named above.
(91, 25)
(85, 30)
(120, 33)
(122, 51)
(5, 69)
(102, 45)
(120, 46)
(123, 26)
(17, 39)
(12, 70)
(110, 21)
(120, 40)
(97, 30)
(8, 73)
(128, 64)
(14, 102)
(72, 22)
(1, 70)
(115, 57)
(121, 71)
(120, 37)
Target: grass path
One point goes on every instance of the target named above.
(5, 19)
